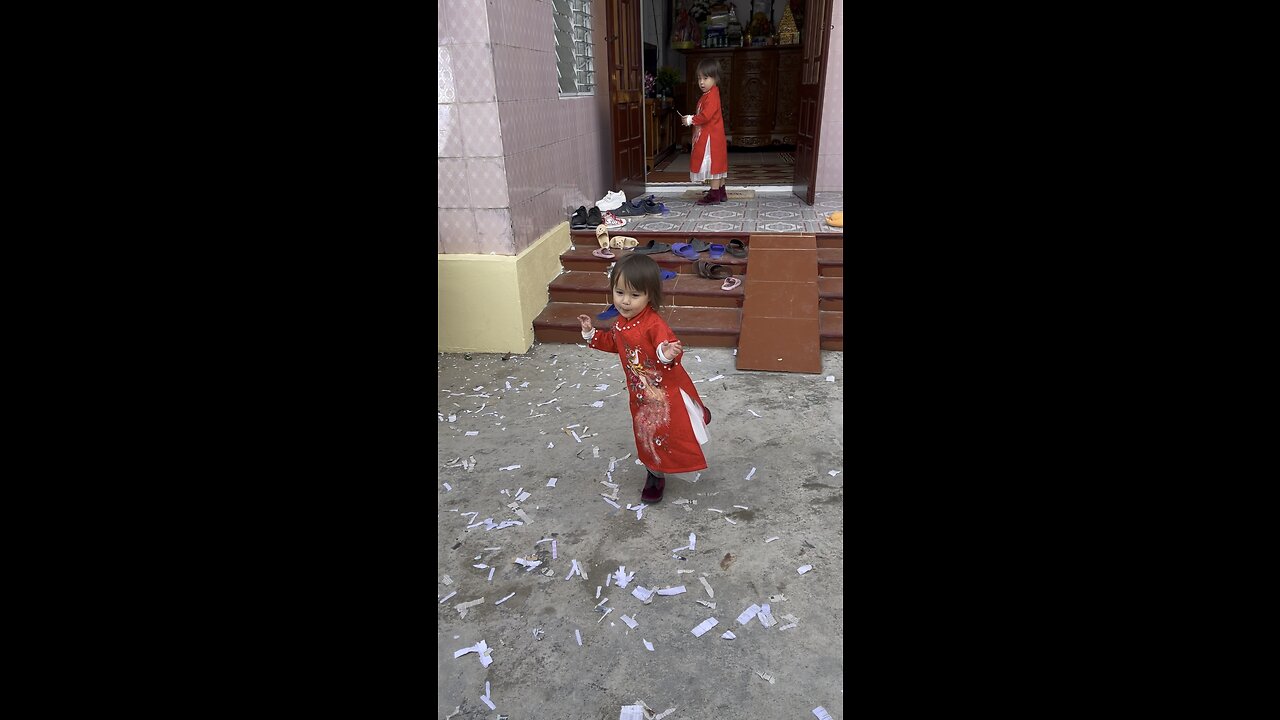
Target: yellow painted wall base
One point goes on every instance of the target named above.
(487, 303)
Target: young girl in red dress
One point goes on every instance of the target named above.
(667, 415)
(709, 158)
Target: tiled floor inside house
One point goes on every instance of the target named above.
(780, 212)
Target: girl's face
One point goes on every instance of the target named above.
(705, 83)
(629, 301)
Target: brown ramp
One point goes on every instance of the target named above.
(780, 312)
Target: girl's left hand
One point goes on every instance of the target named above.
(671, 349)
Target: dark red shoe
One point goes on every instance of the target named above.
(706, 415)
(711, 198)
(653, 487)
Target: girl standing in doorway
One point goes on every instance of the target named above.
(709, 159)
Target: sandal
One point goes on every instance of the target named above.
(730, 283)
(717, 251)
(698, 245)
(623, 241)
(603, 253)
(737, 249)
(685, 250)
(668, 274)
(602, 236)
(652, 248)
(711, 271)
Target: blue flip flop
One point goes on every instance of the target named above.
(609, 314)
(668, 274)
(717, 251)
(685, 250)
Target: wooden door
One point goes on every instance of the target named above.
(626, 95)
(813, 74)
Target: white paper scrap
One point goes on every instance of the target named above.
(747, 614)
(718, 377)
(742, 507)
(553, 549)
(642, 594)
(598, 589)
(491, 574)
(753, 412)
(710, 593)
(693, 541)
(704, 603)
(446, 580)
(833, 473)
(598, 404)
(731, 522)
(447, 487)
(578, 635)
(482, 566)
(473, 432)
(552, 482)
(488, 702)
(505, 599)
(631, 623)
(631, 712)
(766, 676)
(611, 502)
(728, 635)
(664, 713)
(821, 713)
(672, 591)
(788, 626)
(753, 472)
(766, 617)
(621, 577)
(509, 467)
(648, 645)
(528, 564)
(775, 537)
(704, 626)
(522, 497)
(804, 569)
(446, 597)
(482, 648)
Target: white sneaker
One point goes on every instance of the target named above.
(611, 201)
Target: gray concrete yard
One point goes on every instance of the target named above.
(792, 445)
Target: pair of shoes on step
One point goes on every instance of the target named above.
(714, 197)
(612, 201)
(584, 219)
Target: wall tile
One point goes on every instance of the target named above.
(451, 174)
(481, 129)
(469, 21)
(831, 141)
(487, 182)
(448, 131)
(457, 229)
(446, 87)
(473, 73)
(493, 232)
(505, 62)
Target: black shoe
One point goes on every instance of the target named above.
(593, 217)
(579, 219)
(629, 210)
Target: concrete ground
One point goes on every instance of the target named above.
(792, 446)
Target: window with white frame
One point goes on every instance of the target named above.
(575, 66)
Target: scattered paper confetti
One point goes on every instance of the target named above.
(578, 635)
(718, 377)
(648, 645)
(821, 713)
(473, 432)
(505, 599)
(833, 473)
(510, 467)
(446, 597)
(631, 623)
(704, 626)
(552, 482)
(447, 487)
(753, 412)
(728, 635)
(804, 569)
(753, 472)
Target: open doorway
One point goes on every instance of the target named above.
(758, 50)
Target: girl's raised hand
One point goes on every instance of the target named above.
(585, 320)
(671, 349)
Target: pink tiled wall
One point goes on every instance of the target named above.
(512, 155)
(831, 141)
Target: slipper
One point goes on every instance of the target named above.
(652, 247)
(737, 249)
(608, 314)
(836, 219)
(602, 236)
(603, 253)
(717, 251)
(698, 245)
(730, 283)
(711, 271)
(624, 241)
(685, 250)
(668, 274)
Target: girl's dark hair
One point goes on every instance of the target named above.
(709, 68)
(641, 273)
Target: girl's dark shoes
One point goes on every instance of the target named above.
(712, 197)
(653, 487)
